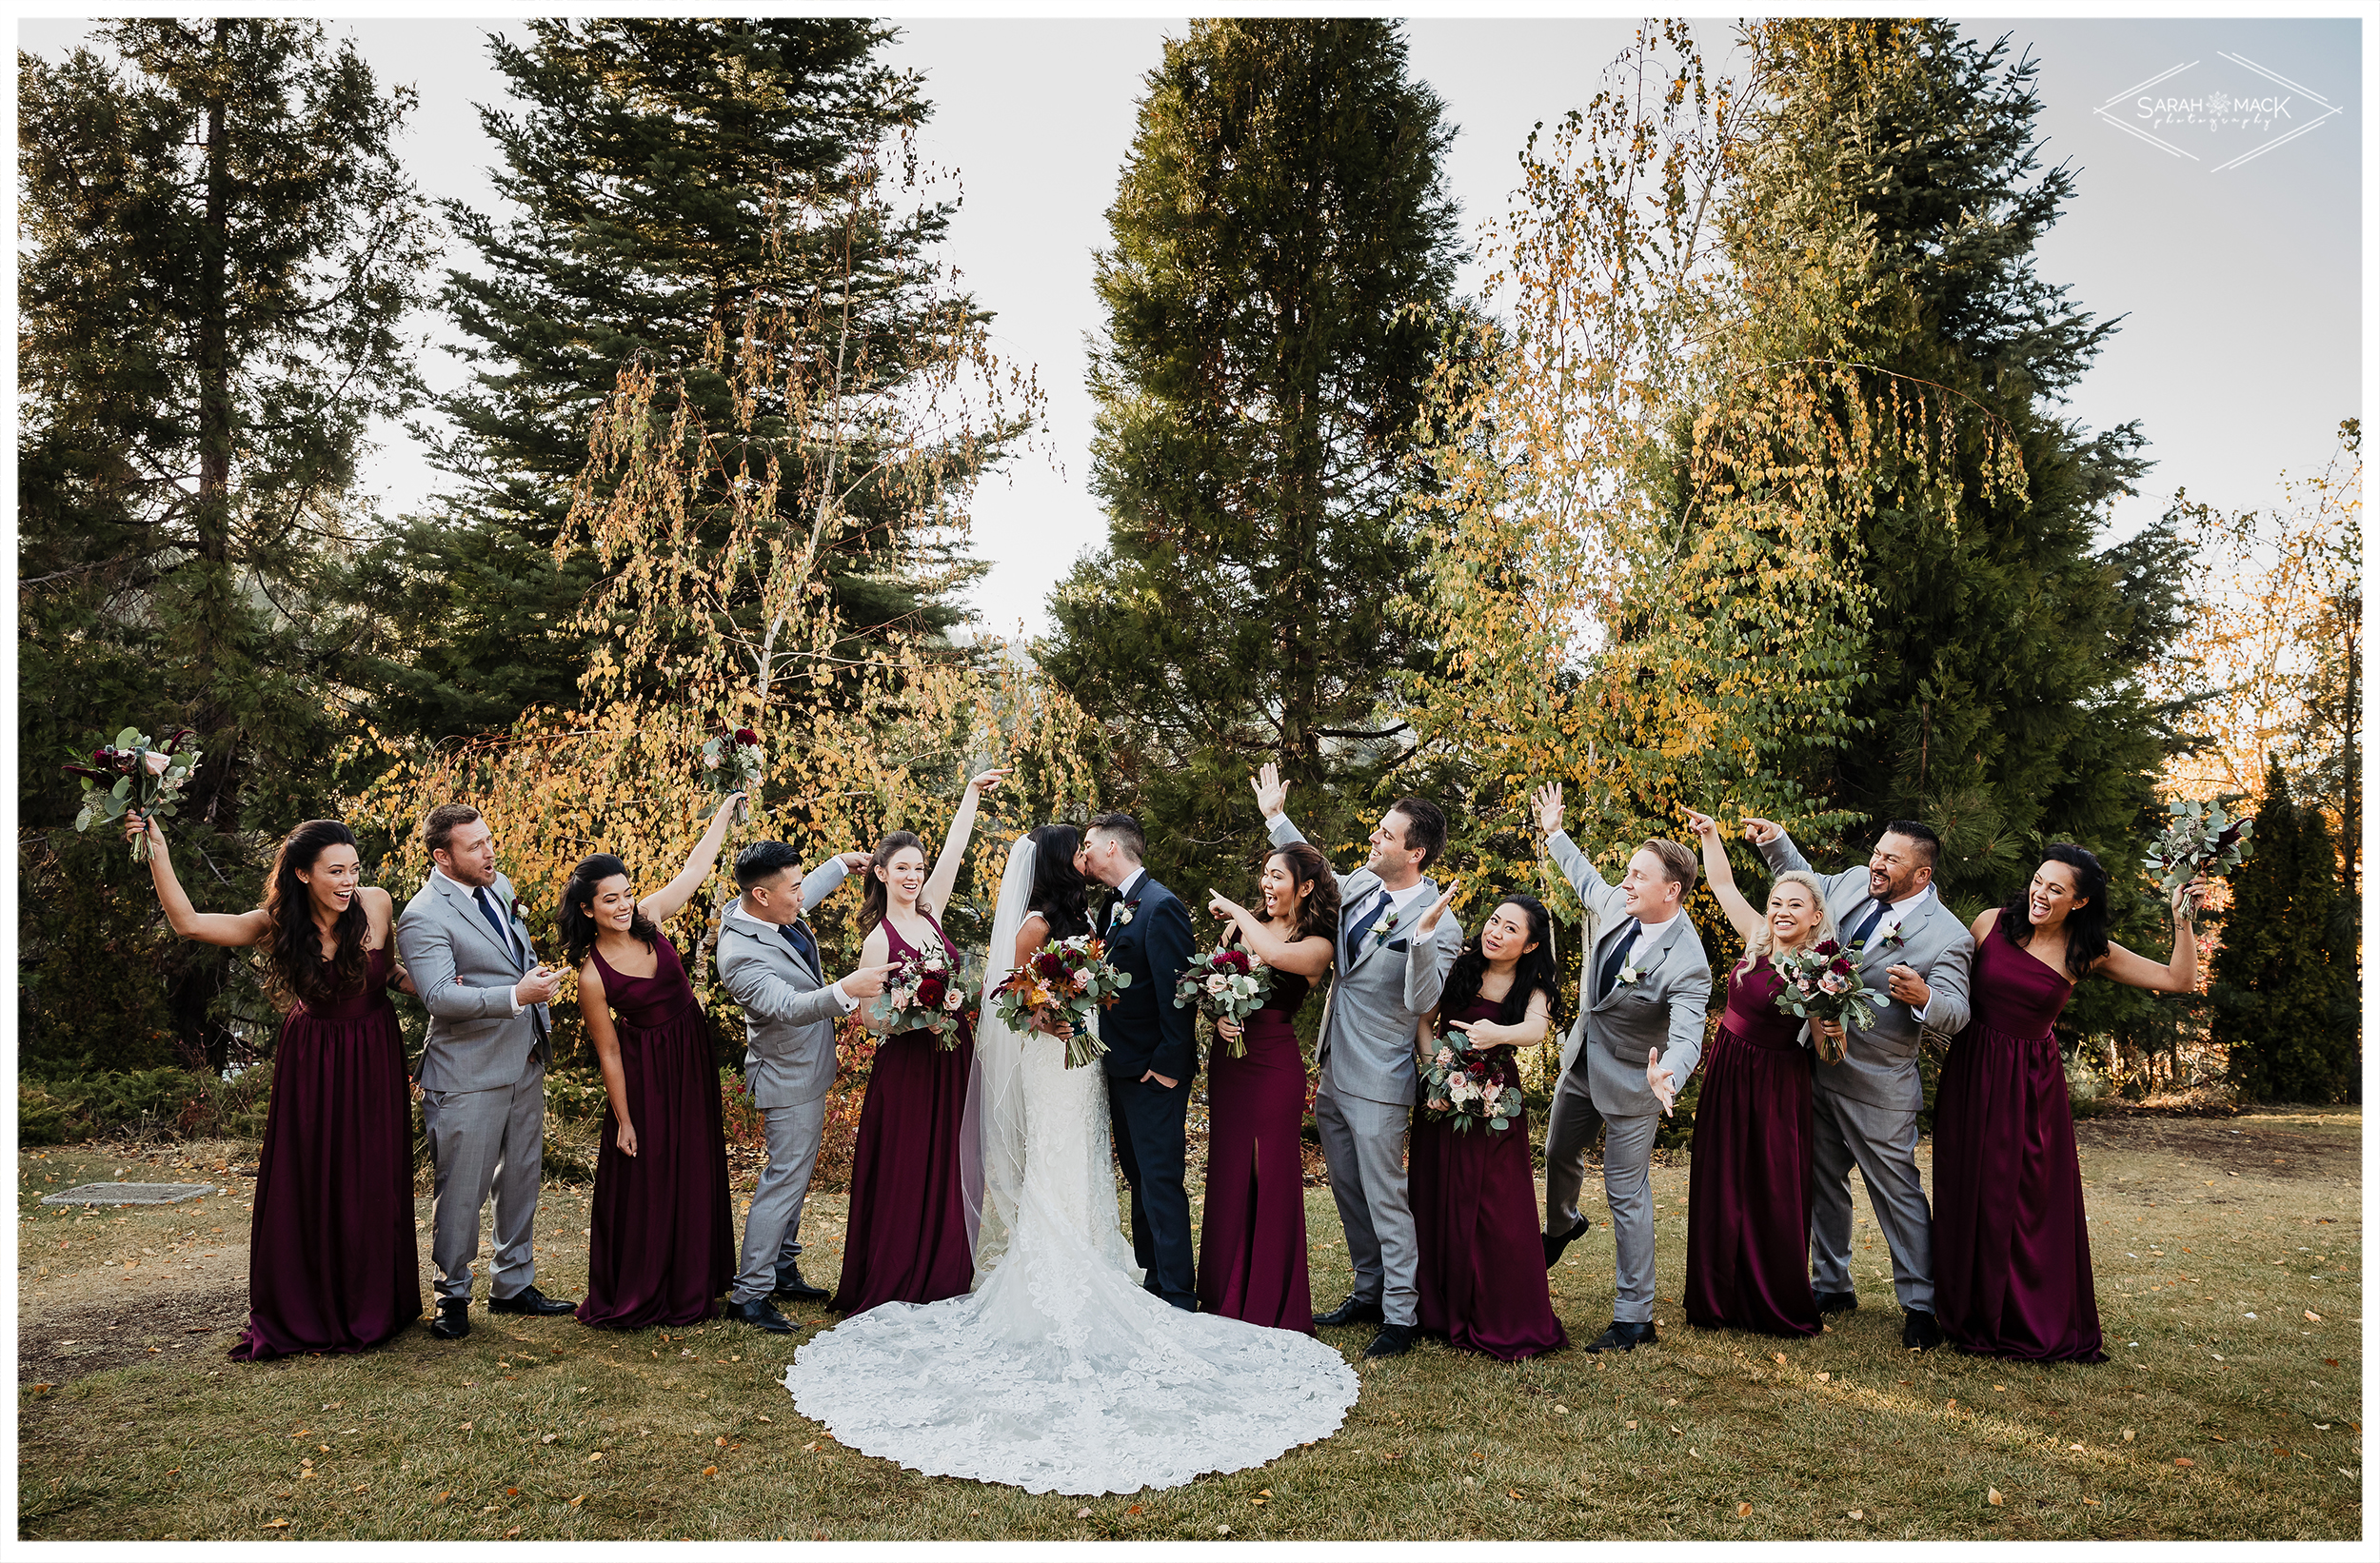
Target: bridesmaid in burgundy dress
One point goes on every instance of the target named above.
(332, 1263)
(662, 1243)
(2011, 1256)
(1252, 1242)
(1748, 1190)
(1474, 1198)
(907, 1238)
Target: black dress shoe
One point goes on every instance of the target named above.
(1624, 1338)
(1919, 1331)
(762, 1312)
(1393, 1340)
(790, 1284)
(530, 1300)
(452, 1322)
(1553, 1245)
(1838, 1302)
(1351, 1312)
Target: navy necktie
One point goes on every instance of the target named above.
(1363, 921)
(487, 899)
(799, 938)
(1613, 963)
(1866, 927)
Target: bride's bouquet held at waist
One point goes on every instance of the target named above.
(922, 992)
(1067, 980)
(1823, 983)
(1225, 984)
(1462, 1083)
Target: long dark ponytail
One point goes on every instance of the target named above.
(294, 967)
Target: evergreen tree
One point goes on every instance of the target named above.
(679, 182)
(2005, 703)
(2281, 975)
(1283, 236)
(218, 249)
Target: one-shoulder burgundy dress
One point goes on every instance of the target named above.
(2011, 1251)
(907, 1241)
(1251, 1239)
(661, 1241)
(1748, 1185)
(332, 1261)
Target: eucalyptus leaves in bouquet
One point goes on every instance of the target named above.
(732, 762)
(2199, 839)
(132, 773)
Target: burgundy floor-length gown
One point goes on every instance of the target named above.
(907, 1241)
(662, 1242)
(1475, 1217)
(1252, 1240)
(1748, 1192)
(2012, 1255)
(332, 1263)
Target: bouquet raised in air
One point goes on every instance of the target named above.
(2199, 838)
(1225, 984)
(922, 992)
(1065, 979)
(732, 762)
(1822, 982)
(1461, 1084)
(131, 773)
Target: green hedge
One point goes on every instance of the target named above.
(172, 1102)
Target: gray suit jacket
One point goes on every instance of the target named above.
(1661, 1011)
(1378, 997)
(789, 1013)
(465, 977)
(1879, 1064)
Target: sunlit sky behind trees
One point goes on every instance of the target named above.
(2240, 352)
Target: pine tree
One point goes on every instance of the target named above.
(2006, 703)
(1281, 236)
(2281, 975)
(677, 181)
(220, 247)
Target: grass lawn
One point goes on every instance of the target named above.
(2229, 1257)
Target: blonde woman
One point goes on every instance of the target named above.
(1748, 1201)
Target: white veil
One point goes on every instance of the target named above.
(993, 1179)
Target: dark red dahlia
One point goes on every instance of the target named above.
(930, 993)
(1841, 966)
(745, 737)
(1828, 947)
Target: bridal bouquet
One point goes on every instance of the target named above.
(922, 992)
(1225, 984)
(733, 763)
(1065, 979)
(2200, 839)
(1823, 983)
(128, 774)
(1462, 1083)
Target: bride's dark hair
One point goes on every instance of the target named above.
(1058, 891)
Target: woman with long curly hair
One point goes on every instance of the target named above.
(332, 1263)
(2011, 1256)
(660, 1247)
(1475, 1197)
(1252, 1241)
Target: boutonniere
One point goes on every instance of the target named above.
(1386, 926)
(1122, 915)
(1630, 975)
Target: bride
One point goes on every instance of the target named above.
(1058, 1373)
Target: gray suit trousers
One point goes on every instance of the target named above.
(482, 1141)
(772, 1228)
(1364, 1145)
(1627, 1185)
(1883, 1143)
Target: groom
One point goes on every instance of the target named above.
(1151, 1051)
(1365, 1055)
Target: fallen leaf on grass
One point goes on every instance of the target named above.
(710, 1471)
(1743, 1510)
(1083, 1514)
(597, 1456)
(1134, 1510)
(1991, 1495)
(1778, 1358)
(2128, 1435)
(2094, 1502)
(1857, 1513)
(581, 1499)
(276, 1525)
(2314, 1317)
(720, 1442)
(1826, 1377)
(2184, 1461)
(549, 1437)
(514, 1531)
(444, 1496)
(2218, 1438)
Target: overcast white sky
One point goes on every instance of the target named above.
(2243, 287)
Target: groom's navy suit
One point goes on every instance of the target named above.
(1145, 1032)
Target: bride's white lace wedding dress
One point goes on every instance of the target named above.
(1058, 1373)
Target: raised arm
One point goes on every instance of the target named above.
(236, 930)
(1430, 953)
(1720, 875)
(1272, 797)
(670, 898)
(821, 881)
(945, 876)
(1308, 955)
(2180, 972)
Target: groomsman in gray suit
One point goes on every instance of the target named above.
(482, 1072)
(1646, 985)
(1864, 1109)
(1364, 1104)
(769, 964)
